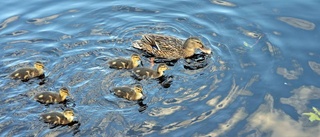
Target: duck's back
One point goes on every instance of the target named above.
(160, 46)
(123, 92)
(55, 118)
(144, 72)
(47, 97)
(25, 73)
(120, 63)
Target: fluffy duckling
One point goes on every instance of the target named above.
(52, 97)
(59, 118)
(129, 93)
(149, 73)
(28, 73)
(169, 47)
(121, 63)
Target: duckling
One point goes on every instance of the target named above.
(149, 73)
(52, 97)
(28, 73)
(59, 118)
(129, 93)
(169, 47)
(121, 63)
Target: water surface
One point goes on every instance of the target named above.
(259, 80)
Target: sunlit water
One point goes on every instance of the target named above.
(263, 73)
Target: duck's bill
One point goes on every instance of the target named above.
(205, 50)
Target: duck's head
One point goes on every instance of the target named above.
(64, 91)
(69, 114)
(195, 43)
(38, 65)
(135, 57)
(138, 89)
(162, 67)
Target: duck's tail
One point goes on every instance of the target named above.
(137, 44)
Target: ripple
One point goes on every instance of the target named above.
(315, 66)
(223, 3)
(9, 20)
(298, 23)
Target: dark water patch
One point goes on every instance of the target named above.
(197, 61)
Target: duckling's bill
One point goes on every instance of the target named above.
(205, 50)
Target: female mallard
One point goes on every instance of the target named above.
(121, 63)
(28, 73)
(149, 73)
(52, 97)
(129, 93)
(59, 118)
(169, 47)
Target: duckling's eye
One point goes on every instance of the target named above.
(136, 58)
(199, 42)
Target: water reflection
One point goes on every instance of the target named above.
(268, 120)
(5, 23)
(299, 23)
(223, 3)
(301, 98)
(239, 115)
(291, 74)
(314, 66)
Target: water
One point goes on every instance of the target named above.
(261, 77)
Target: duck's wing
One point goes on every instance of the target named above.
(122, 92)
(53, 117)
(24, 73)
(119, 63)
(46, 97)
(160, 45)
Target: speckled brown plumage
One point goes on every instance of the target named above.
(129, 93)
(121, 63)
(52, 97)
(59, 118)
(169, 47)
(142, 72)
(28, 73)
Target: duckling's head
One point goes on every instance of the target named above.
(135, 57)
(162, 67)
(38, 65)
(64, 91)
(195, 43)
(138, 88)
(69, 114)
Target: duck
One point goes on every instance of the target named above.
(29, 72)
(52, 97)
(169, 47)
(142, 72)
(121, 63)
(59, 118)
(132, 94)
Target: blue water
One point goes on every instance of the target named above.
(263, 73)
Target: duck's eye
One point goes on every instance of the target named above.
(200, 44)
